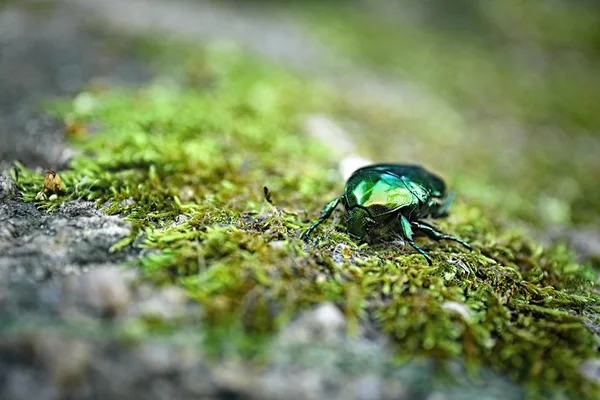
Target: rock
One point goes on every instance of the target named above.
(437, 396)
(23, 384)
(103, 289)
(199, 382)
(232, 377)
(329, 319)
(158, 358)
(37, 245)
(164, 304)
(300, 385)
(586, 242)
(367, 388)
(65, 358)
(591, 370)
(326, 323)
(8, 189)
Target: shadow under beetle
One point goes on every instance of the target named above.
(392, 197)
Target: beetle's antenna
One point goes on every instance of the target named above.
(267, 195)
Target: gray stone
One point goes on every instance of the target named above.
(67, 359)
(103, 289)
(23, 384)
(8, 189)
(591, 370)
(326, 323)
(38, 246)
(368, 388)
(164, 304)
(159, 358)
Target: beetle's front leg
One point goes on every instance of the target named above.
(325, 214)
(408, 235)
(435, 235)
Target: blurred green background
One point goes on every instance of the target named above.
(500, 96)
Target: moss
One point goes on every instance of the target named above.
(187, 165)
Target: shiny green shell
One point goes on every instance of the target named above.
(387, 188)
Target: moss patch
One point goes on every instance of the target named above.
(186, 161)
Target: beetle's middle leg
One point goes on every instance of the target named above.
(408, 235)
(435, 235)
(325, 214)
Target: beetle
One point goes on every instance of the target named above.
(392, 197)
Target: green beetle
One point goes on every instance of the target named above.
(392, 197)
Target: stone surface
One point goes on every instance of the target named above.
(8, 189)
(103, 289)
(37, 246)
(164, 304)
(326, 324)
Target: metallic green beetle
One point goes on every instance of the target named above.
(392, 197)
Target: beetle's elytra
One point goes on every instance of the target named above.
(392, 197)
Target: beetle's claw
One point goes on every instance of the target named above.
(428, 258)
(465, 244)
(421, 251)
(305, 235)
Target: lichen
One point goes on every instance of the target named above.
(187, 160)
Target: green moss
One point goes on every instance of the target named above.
(187, 165)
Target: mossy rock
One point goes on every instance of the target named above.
(186, 161)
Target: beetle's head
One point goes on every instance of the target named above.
(359, 223)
